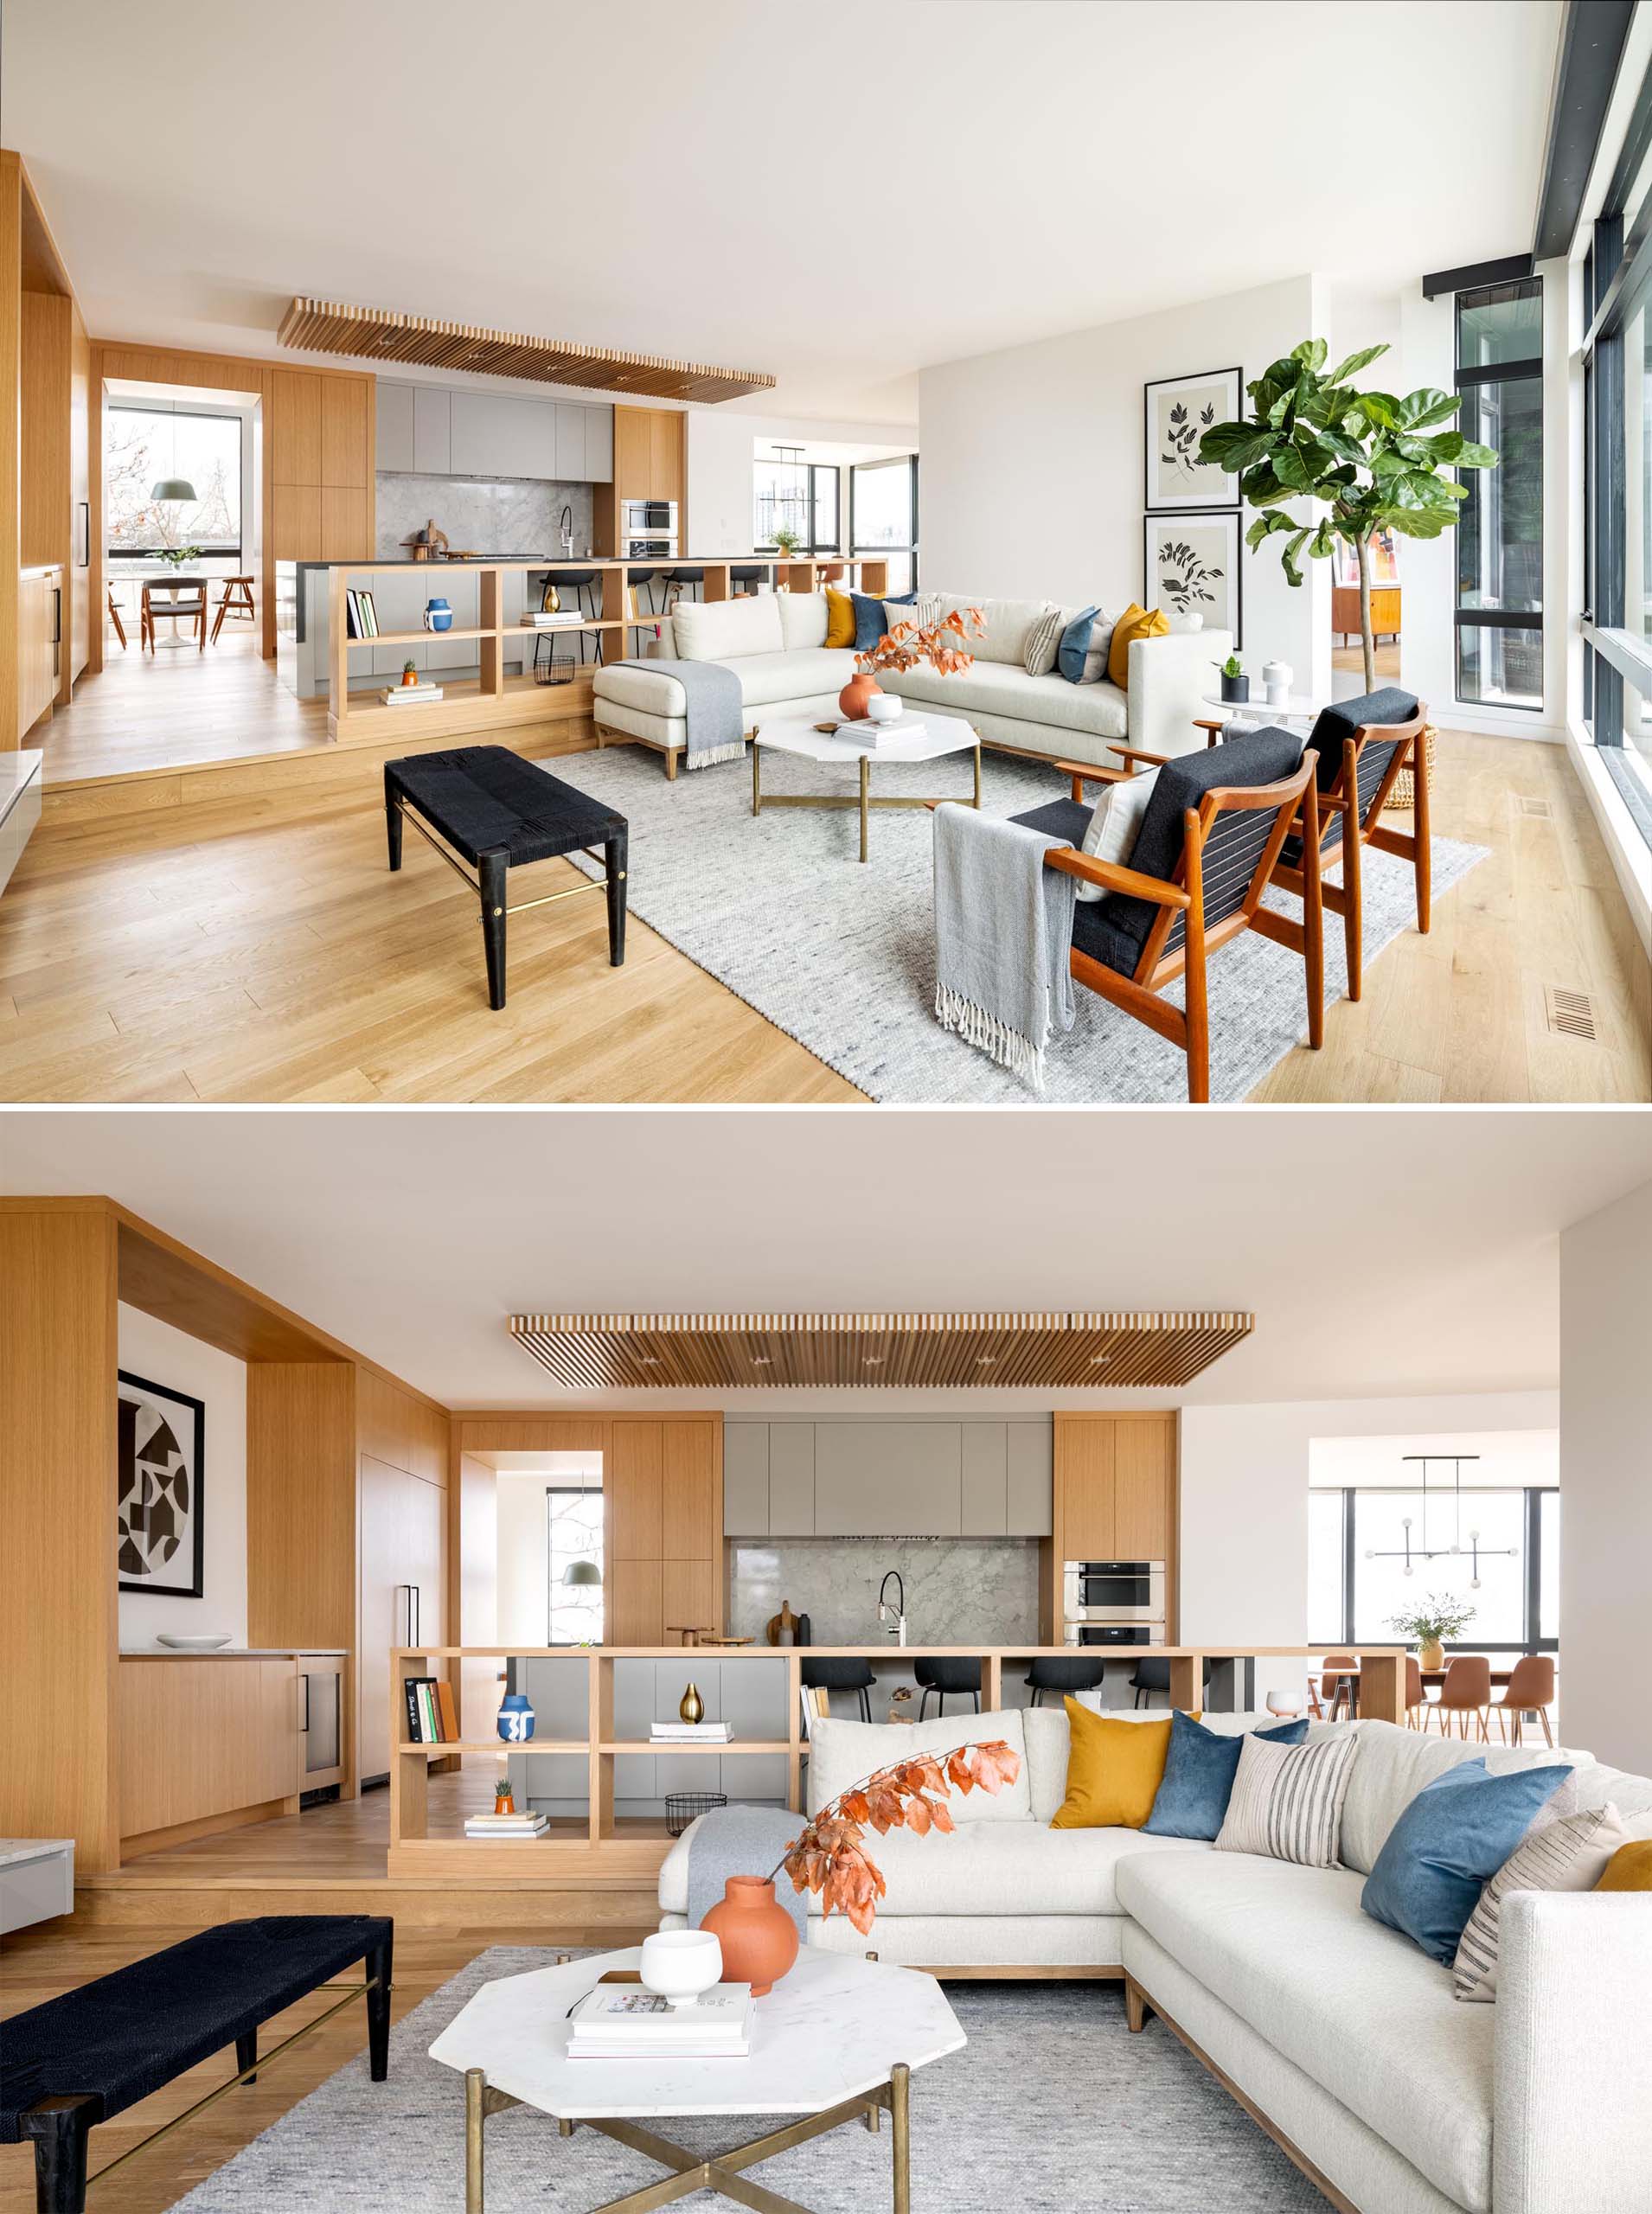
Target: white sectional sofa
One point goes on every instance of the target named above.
(776, 644)
(1340, 2035)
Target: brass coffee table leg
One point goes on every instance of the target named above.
(757, 784)
(475, 2091)
(978, 776)
(866, 785)
(900, 2131)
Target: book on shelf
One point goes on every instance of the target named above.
(690, 1733)
(616, 2022)
(563, 619)
(817, 1707)
(447, 1710)
(409, 695)
(425, 1711)
(483, 1826)
(361, 615)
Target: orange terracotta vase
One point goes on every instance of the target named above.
(851, 700)
(758, 1937)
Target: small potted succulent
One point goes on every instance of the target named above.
(1431, 1623)
(1236, 685)
(410, 672)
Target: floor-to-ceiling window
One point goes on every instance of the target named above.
(1499, 525)
(883, 508)
(1376, 1550)
(144, 446)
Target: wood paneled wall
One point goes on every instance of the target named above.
(58, 1625)
(301, 1504)
(11, 191)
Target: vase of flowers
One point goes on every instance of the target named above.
(176, 556)
(788, 541)
(940, 643)
(1437, 1619)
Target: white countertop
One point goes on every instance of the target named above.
(15, 1850)
(18, 770)
(236, 1653)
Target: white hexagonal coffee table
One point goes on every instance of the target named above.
(836, 2041)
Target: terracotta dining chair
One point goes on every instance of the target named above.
(1415, 1717)
(1335, 1688)
(1466, 1691)
(1530, 1691)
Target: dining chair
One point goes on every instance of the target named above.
(1466, 1691)
(114, 616)
(1530, 1689)
(1208, 840)
(174, 604)
(237, 600)
(1415, 1717)
(1337, 1686)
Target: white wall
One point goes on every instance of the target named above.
(1428, 567)
(524, 1541)
(1606, 1454)
(164, 1355)
(1033, 467)
(1244, 1484)
(719, 467)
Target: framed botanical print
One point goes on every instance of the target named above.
(160, 1457)
(1180, 410)
(1193, 566)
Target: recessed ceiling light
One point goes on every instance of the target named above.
(872, 1360)
(761, 1361)
(985, 1359)
(1099, 1360)
(647, 1361)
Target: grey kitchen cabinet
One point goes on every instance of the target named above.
(985, 1459)
(746, 1480)
(599, 446)
(888, 1479)
(1031, 1478)
(395, 426)
(432, 430)
(570, 442)
(792, 1479)
(535, 439)
(495, 435)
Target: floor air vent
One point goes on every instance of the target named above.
(1540, 808)
(1572, 1013)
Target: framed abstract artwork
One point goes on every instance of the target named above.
(1192, 565)
(160, 1458)
(1179, 411)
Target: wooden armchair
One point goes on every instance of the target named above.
(1208, 844)
(1362, 745)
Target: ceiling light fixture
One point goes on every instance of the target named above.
(1411, 1554)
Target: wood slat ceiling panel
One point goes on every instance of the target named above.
(890, 1352)
(381, 334)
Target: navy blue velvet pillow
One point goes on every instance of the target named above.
(1069, 655)
(1198, 1771)
(1452, 1838)
(870, 623)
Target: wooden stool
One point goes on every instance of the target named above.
(114, 616)
(238, 598)
(162, 604)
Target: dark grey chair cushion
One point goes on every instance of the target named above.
(1336, 725)
(1261, 757)
(1058, 818)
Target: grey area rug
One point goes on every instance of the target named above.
(1052, 2103)
(841, 956)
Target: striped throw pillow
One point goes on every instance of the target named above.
(1287, 1801)
(1570, 1855)
(1042, 640)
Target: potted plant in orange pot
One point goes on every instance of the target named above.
(758, 1937)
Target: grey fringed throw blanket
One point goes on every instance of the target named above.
(1003, 932)
(714, 710)
(742, 1841)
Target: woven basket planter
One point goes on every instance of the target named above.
(1402, 794)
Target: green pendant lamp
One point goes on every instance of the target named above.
(171, 487)
(583, 1572)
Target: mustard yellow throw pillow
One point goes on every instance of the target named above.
(840, 618)
(1134, 623)
(1630, 1869)
(1114, 1770)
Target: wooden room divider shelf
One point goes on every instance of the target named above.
(618, 1848)
(500, 697)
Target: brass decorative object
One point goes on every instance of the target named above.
(691, 1706)
(987, 1351)
(384, 334)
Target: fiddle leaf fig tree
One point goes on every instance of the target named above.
(1375, 461)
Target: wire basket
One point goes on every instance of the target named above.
(682, 1808)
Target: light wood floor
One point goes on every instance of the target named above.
(241, 940)
(345, 1842)
(167, 710)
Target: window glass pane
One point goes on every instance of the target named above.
(1325, 1600)
(781, 500)
(1499, 525)
(575, 1532)
(883, 504)
(1382, 1588)
(825, 507)
(1548, 1593)
(1500, 668)
(1504, 322)
(141, 446)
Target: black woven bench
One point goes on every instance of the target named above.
(88, 2056)
(499, 812)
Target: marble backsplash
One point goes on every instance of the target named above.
(516, 514)
(959, 1591)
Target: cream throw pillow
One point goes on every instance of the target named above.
(1042, 640)
(1115, 826)
(1570, 1855)
(1287, 1801)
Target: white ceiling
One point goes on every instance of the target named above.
(839, 194)
(1385, 1252)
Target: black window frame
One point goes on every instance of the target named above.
(816, 469)
(215, 553)
(1467, 380)
(894, 461)
(1532, 1561)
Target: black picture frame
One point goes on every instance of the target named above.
(1229, 520)
(193, 1413)
(1157, 499)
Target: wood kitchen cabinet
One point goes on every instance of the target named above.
(1116, 1492)
(323, 457)
(1086, 1488)
(39, 600)
(664, 1528)
(199, 1739)
(402, 1554)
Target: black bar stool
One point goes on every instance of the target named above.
(842, 1676)
(944, 1676)
(683, 582)
(584, 585)
(747, 578)
(1154, 1676)
(1049, 1674)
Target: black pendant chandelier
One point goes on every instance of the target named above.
(1457, 1550)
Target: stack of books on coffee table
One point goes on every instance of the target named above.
(621, 2021)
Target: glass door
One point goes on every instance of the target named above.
(883, 516)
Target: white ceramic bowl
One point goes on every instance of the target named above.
(680, 1964)
(205, 1641)
(883, 708)
(1287, 1705)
